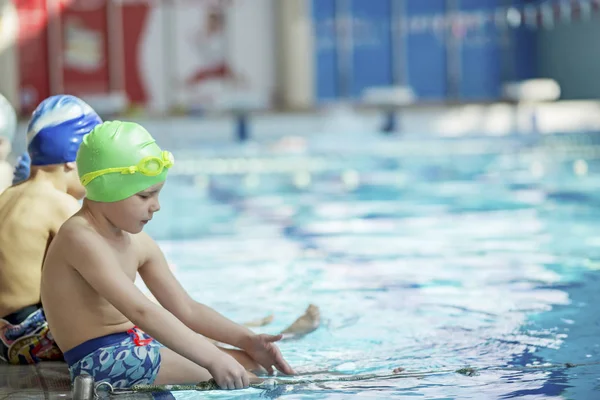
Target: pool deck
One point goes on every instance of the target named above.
(48, 380)
(45, 381)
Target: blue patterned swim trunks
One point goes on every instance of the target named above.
(26, 339)
(121, 359)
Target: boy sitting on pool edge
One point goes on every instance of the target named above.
(94, 308)
(31, 213)
(45, 193)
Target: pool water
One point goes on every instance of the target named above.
(427, 254)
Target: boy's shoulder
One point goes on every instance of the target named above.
(77, 227)
(77, 231)
(146, 247)
(73, 237)
(57, 196)
(83, 241)
(42, 192)
(59, 206)
(145, 241)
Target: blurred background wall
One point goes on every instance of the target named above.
(189, 56)
(570, 54)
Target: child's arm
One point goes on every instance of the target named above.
(168, 291)
(95, 261)
(6, 175)
(170, 294)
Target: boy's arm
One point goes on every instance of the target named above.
(5, 176)
(95, 261)
(170, 294)
(158, 278)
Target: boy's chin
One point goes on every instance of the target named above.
(134, 229)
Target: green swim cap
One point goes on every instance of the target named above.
(119, 159)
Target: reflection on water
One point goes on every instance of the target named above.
(425, 263)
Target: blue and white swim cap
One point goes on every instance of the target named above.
(8, 119)
(57, 128)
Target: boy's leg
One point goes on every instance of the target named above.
(305, 324)
(178, 370)
(259, 322)
(256, 369)
(175, 369)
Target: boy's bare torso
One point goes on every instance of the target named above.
(69, 300)
(30, 215)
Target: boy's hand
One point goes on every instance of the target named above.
(263, 350)
(228, 373)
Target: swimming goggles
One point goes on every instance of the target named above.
(148, 166)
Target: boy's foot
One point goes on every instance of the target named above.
(305, 324)
(260, 322)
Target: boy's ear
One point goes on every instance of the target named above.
(70, 166)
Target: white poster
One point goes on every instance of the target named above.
(208, 55)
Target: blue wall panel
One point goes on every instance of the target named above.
(480, 53)
(525, 53)
(325, 49)
(426, 59)
(372, 44)
(479, 57)
(524, 49)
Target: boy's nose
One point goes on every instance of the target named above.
(155, 207)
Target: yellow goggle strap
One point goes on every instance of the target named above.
(143, 167)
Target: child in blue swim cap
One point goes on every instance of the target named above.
(32, 212)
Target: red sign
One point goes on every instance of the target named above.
(85, 43)
(134, 19)
(34, 79)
